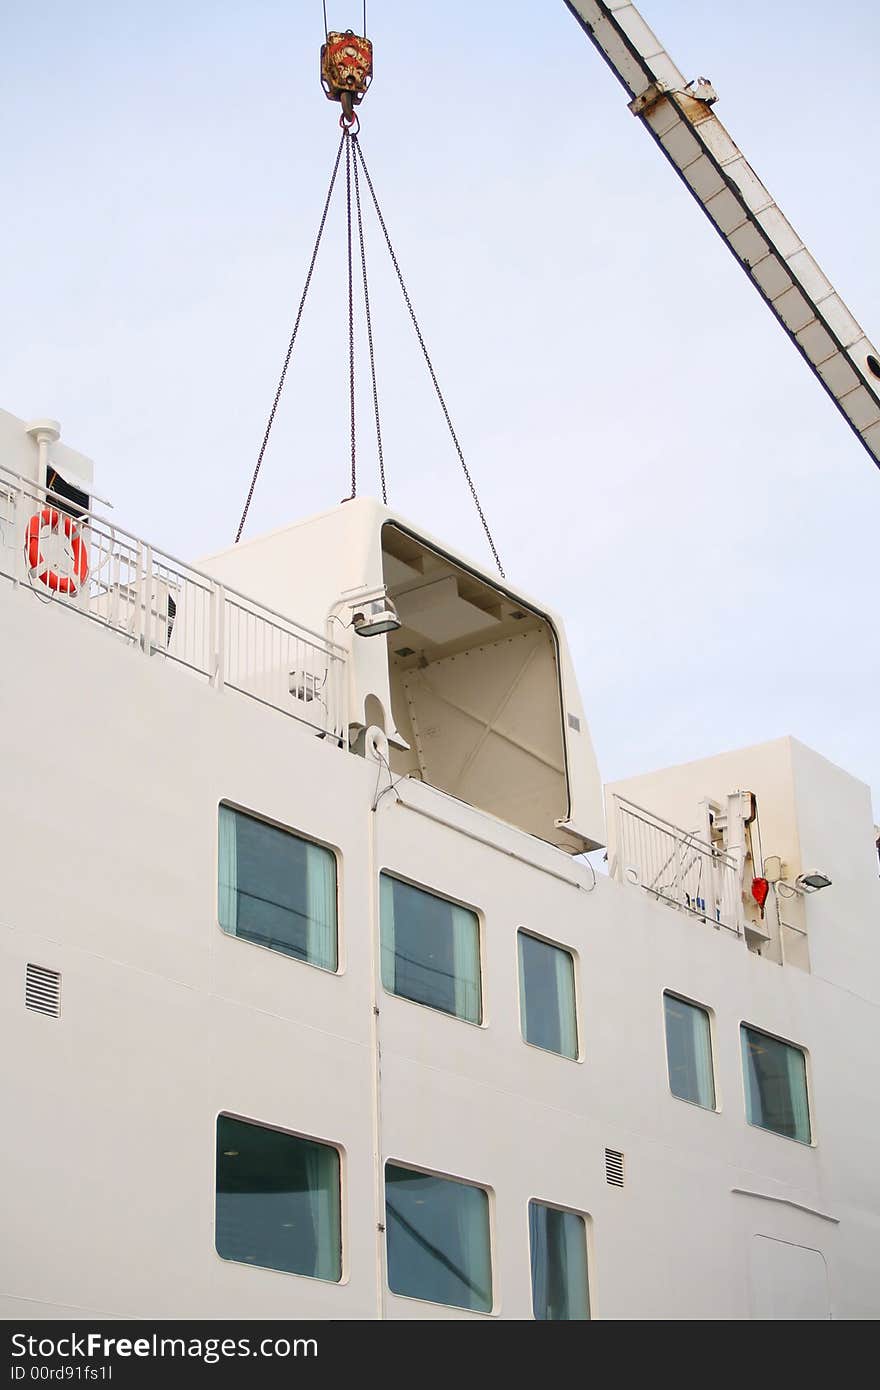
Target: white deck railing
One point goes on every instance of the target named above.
(168, 609)
(677, 867)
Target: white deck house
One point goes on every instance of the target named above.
(312, 1005)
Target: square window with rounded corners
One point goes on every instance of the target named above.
(547, 996)
(775, 1080)
(438, 1239)
(430, 949)
(276, 889)
(278, 1203)
(558, 1249)
(689, 1051)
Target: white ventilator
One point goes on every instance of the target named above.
(679, 116)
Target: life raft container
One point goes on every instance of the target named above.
(53, 520)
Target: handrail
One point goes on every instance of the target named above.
(688, 836)
(677, 866)
(169, 608)
(93, 515)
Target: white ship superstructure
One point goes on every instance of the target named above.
(314, 1004)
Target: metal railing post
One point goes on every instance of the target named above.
(147, 610)
(218, 636)
(19, 560)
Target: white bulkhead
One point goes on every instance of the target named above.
(703, 1120)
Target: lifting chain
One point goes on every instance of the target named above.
(357, 199)
(351, 398)
(359, 154)
(287, 355)
(346, 72)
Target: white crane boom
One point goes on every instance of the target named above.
(679, 116)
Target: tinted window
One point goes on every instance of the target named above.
(430, 949)
(689, 1052)
(277, 1200)
(546, 995)
(558, 1245)
(438, 1239)
(775, 1085)
(276, 889)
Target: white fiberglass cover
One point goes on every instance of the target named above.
(475, 690)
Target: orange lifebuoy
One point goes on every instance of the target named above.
(53, 519)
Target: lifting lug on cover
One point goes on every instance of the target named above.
(346, 70)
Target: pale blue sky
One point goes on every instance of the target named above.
(655, 460)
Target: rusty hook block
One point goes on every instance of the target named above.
(346, 70)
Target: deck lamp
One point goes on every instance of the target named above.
(812, 882)
(376, 617)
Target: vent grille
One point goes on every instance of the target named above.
(42, 990)
(614, 1167)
